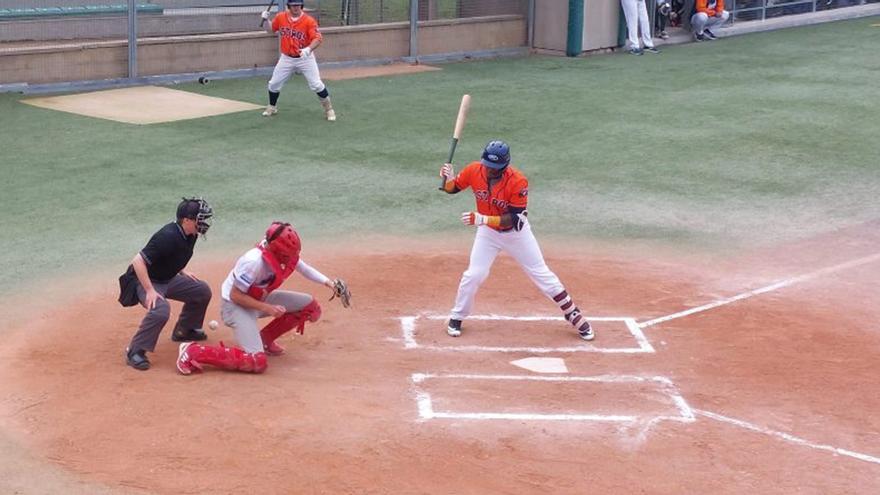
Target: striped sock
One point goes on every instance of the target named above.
(571, 311)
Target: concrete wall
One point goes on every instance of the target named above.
(64, 62)
(600, 25)
(601, 19)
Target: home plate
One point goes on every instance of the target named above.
(542, 364)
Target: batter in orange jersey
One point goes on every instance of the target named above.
(300, 37)
(501, 193)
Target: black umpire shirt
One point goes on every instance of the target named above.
(168, 252)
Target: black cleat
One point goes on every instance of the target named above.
(454, 328)
(652, 49)
(189, 335)
(709, 34)
(137, 360)
(586, 331)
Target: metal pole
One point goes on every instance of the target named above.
(531, 24)
(132, 39)
(414, 30)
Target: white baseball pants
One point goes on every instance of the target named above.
(287, 66)
(522, 246)
(700, 21)
(636, 13)
(243, 321)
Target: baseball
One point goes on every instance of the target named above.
(213, 324)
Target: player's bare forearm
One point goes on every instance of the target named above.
(451, 188)
(508, 220)
(140, 269)
(246, 301)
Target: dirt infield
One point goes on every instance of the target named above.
(775, 381)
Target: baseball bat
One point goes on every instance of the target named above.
(268, 9)
(456, 133)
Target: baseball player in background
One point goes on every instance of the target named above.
(501, 192)
(249, 292)
(708, 14)
(299, 39)
(636, 14)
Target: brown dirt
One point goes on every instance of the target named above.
(337, 414)
(141, 105)
(360, 72)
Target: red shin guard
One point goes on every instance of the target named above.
(288, 321)
(227, 358)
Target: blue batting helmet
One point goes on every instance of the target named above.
(295, 2)
(496, 155)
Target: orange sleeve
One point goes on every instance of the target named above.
(518, 192)
(702, 6)
(276, 22)
(465, 177)
(720, 6)
(313, 33)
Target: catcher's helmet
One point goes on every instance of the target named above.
(283, 241)
(496, 155)
(196, 209)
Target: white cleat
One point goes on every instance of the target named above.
(331, 115)
(184, 365)
(270, 111)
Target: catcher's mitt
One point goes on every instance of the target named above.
(340, 290)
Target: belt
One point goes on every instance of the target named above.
(292, 56)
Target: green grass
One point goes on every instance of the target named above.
(755, 139)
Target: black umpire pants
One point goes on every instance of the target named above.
(195, 296)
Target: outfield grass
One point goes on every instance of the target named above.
(756, 139)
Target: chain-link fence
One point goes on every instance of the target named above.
(48, 41)
(750, 10)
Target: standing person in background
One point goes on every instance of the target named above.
(299, 39)
(636, 13)
(501, 192)
(159, 268)
(709, 14)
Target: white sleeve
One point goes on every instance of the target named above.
(310, 273)
(245, 273)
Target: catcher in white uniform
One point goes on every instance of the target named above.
(501, 192)
(300, 37)
(249, 293)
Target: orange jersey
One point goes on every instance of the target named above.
(512, 189)
(295, 34)
(710, 7)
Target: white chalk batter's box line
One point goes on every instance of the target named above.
(408, 328)
(426, 406)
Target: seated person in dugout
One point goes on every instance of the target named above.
(708, 14)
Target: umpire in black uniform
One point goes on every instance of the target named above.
(159, 268)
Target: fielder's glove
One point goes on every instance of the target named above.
(340, 290)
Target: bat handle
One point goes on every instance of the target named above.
(449, 160)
